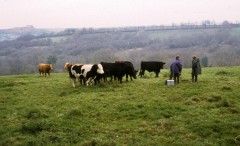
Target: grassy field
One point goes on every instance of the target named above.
(38, 110)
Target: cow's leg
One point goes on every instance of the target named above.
(91, 81)
(105, 78)
(120, 79)
(96, 81)
(81, 80)
(88, 80)
(157, 74)
(126, 77)
(142, 74)
(95, 78)
(73, 82)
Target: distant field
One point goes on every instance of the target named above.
(38, 110)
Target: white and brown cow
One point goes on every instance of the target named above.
(45, 68)
(88, 72)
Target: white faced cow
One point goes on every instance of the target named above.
(87, 71)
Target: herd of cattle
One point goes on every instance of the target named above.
(86, 73)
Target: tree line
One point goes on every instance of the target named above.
(214, 46)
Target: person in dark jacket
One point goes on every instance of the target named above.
(176, 69)
(196, 68)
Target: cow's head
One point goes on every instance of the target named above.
(100, 69)
(162, 64)
(67, 66)
(51, 66)
(135, 74)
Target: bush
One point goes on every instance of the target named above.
(35, 126)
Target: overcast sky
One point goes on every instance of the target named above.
(114, 13)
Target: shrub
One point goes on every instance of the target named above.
(35, 114)
(35, 126)
(226, 88)
(222, 72)
(74, 113)
(6, 84)
(224, 103)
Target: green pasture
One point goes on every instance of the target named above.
(38, 110)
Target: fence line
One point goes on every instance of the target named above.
(154, 28)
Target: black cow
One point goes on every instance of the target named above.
(124, 69)
(87, 71)
(151, 66)
(118, 70)
(129, 71)
(109, 70)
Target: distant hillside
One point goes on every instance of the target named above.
(14, 33)
(215, 45)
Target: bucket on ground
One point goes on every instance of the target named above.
(170, 82)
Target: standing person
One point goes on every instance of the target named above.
(176, 69)
(196, 68)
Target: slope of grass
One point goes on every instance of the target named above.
(48, 111)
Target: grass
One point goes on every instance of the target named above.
(49, 111)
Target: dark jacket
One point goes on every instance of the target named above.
(196, 67)
(176, 66)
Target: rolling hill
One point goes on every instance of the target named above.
(214, 45)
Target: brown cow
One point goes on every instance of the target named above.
(45, 68)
